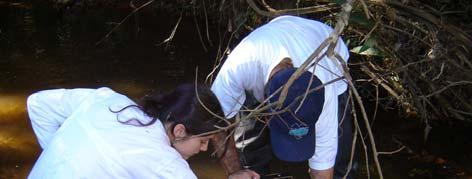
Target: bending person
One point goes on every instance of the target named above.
(98, 133)
(263, 62)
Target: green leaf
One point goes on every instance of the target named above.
(363, 48)
(372, 51)
(369, 43)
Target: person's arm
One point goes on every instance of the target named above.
(227, 153)
(239, 73)
(231, 97)
(322, 174)
(244, 174)
(48, 109)
(229, 89)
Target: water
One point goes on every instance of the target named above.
(41, 48)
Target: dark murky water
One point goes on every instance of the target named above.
(41, 48)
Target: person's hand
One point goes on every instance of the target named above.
(244, 174)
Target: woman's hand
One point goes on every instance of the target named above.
(244, 174)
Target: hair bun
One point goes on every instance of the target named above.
(154, 105)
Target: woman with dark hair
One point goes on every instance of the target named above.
(98, 133)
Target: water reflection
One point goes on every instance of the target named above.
(19, 148)
(42, 48)
(18, 145)
(12, 105)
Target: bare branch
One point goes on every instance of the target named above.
(306, 10)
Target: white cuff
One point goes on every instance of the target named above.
(320, 166)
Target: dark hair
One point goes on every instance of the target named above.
(181, 106)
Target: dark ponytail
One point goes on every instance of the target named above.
(181, 106)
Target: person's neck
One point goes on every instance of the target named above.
(169, 133)
(283, 64)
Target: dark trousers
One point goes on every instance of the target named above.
(258, 154)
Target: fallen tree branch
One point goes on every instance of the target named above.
(305, 10)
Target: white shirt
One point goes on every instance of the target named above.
(249, 65)
(82, 138)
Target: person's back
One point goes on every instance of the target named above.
(252, 60)
(258, 56)
(91, 142)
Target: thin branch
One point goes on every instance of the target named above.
(364, 115)
(206, 24)
(366, 9)
(376, 105)
(124, 19)
(220, 59)
(447, 87)
(453, 30)
(198, 29)
(392, 152)
(354, 139)
(377, 80)
(172, 34)
(267, 6)
(302, 69)
(305, 10)
(356, 124)
(201, 103)
(440, 72)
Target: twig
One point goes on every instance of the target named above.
(380, 82)
(376, 105)
(354, 139)
(371, 30)
(198, 29)
(267, 6)
(221, 5)
(206, 24)
(302, 68)
(392, 152)
(453, 30)
(124, 19)
(364, 115)
(220, 59)
(366, 9)
(172, 34)
(407, 33)
(461, 112)
(440, 72)
(448, 86)
(341, 23)
(306, 10)
(356, 124)
(201, 103)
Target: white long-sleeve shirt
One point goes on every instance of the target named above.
(82, 138)
(248, 67)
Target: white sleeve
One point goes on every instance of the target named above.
(229, 91)
(326, 133)
(48, 109)
(243, 70)
(178, 169)
(151, 165)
